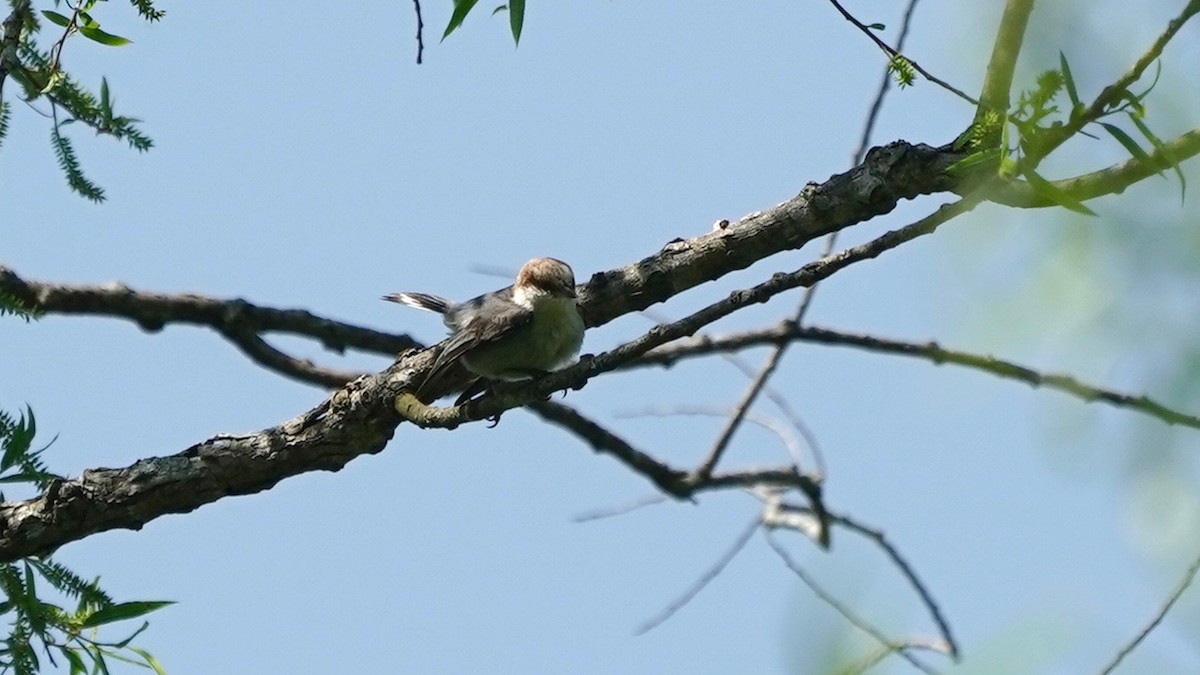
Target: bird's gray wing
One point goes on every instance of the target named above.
(477, 328)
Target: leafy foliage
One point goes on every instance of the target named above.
(43, 77)
(1015, 143)
(515, 9)
(37, 624)
(10, 304)
(902, 70)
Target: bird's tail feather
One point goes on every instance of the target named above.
(425, 301)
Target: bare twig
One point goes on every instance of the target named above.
(931, 351)
(1188, 577)
(780, 401)
(901, 648)
(759, 382)
(302, 370)
(951, 646)
(885, 84)
(775, 426)
(420, 31)
(678, 484)
(634, 505)
(866, 30)
(703, 581)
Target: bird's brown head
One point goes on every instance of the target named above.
(548, 275)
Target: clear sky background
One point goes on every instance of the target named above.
(303, 159)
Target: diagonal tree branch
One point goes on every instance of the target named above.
(1188, 577)
(574, 377)
(786, 331)
(359, 418)
(153, 311)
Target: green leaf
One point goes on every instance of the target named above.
(77, 664)
(97, 35)
(461, 9)
(100, 667)
(1171, 159)
(1127, 141)
(56, 18)
(150, 660)
(18, 442)
(1069, 81)
(30, 477)
(125, 643)
(499, 8)
(88, 20)
(516, 18)
(973, 161)
(877, 26)
(1047, 190)
(122, 611)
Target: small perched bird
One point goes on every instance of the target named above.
(517, 333)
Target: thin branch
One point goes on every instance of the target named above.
(780, 401)
(1188, 577)
(420, 31)
(895, 54)
(678, 484)
(789, 413)
(302, 370)
(1110, 180)
(702, 582)
(901, 648)
(739, 413)
(997, 83)
(606, 442)
(759, 382)
(931, 351)
(153, 311)
(634, 505)
(880, 539)
(885, 85)
(781, 431)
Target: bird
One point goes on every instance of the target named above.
(517, 333)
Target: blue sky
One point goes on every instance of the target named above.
(303, 159)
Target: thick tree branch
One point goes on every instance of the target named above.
(788, 331)
(9, 38)
(360, 417)
(576, 376)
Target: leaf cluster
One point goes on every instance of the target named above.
(40, 72)
(38, 625)
(1015, 143)
(515, 9)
